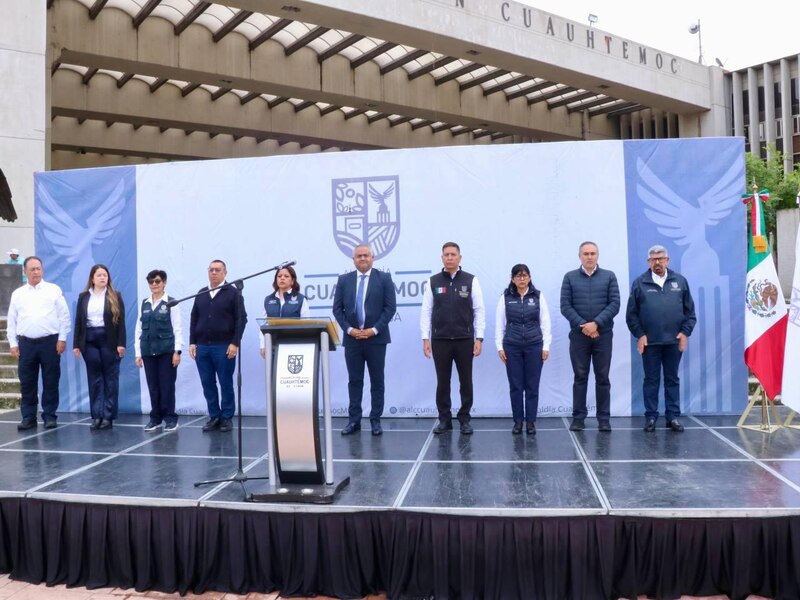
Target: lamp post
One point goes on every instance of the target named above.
(695, 28)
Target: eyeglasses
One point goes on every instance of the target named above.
(214, 269)
(521, 276)
(658, 258)
(155, 281)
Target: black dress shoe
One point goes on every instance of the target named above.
(675, 425)
(376, 428)
(106, 424)
(225, 425)
(650, 425)
(604, 426)
(95, 424)
(530, 428)
(351, 428)
(211, 425)
(50, 424)
(466, 428)
(443, 426)
(517, 429)
(26, 424)
(576, 425)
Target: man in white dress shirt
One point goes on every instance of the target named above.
(38, 324)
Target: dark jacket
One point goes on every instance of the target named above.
(115, 333)
(380, 305)
(523, 317)
(658, 313)
(452, 313)
(585, 298)
(218, 320)
(291, 307)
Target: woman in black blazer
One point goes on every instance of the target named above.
(100, 335)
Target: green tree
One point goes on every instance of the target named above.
(769, 174)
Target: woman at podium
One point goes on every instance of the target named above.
(285, 301)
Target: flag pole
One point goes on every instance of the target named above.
(757, 241)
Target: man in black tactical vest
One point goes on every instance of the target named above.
(452, 323)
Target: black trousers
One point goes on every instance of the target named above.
(35, 354)
(445, 353)
(102, 373)
(161, 375)
(584, 351)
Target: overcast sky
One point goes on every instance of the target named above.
(739, 34)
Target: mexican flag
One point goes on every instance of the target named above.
(765, 309)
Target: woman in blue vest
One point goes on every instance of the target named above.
(286, 301)
(523, 337)
(100, 337)
(159, 338)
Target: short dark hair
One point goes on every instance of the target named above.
(25, 263)
(451, 245)
(156, 273)
(222, 262)
(588, 243)
(293, 273)
(520, 268)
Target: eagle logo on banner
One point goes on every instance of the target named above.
(295, 363)
(366, 210)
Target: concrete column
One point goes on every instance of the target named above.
(625, 127)
(786, 114)
(769, 108)
(636, 119)
(658, 119)
(738, 109)
(23, 116)
(715, 122)
(647, 123)
(752, 101)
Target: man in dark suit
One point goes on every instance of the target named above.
(364, 302)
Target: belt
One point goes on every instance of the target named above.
(37, 339)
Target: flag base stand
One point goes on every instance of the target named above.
(788, 421)
(766, 426)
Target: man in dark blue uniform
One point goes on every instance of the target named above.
(661, 317)
(590, 301)
(363, 304)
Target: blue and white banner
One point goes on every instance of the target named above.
(503, 204)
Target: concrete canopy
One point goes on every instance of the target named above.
(256, 77)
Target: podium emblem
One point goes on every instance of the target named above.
(366, 210)
(295, 363)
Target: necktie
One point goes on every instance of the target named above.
(360, 301)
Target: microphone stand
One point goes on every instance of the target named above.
(240, 476)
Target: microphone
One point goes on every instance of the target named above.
(172, 303)
(288, 263)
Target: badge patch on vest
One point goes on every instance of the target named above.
(440, 290)
(463, 292)
(163, 308)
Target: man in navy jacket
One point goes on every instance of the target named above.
(661, 317)
(363, 304)
(590, 301)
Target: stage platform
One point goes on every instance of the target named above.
(715, 509)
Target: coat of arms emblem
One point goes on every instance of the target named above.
(366, 210)
(295, 363)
